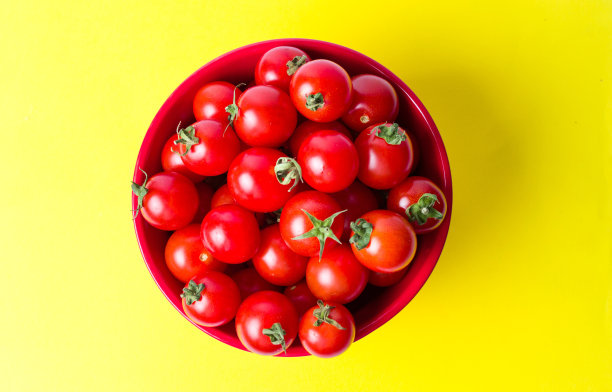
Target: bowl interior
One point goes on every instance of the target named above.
(375, 306)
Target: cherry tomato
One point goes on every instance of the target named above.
(263, 179)
(171, 160)
(211, 100)
(337, 277)
(308, 127)
(263, 116)
(250, 282)
(308, 220)
(383, 241)
(329, 161)
(374, 101)
(267, 323)
(381, 279)
(230, 233)
(301, 297)
(327, 330)
(186, 256)
(386, 155)
(357, 199)
(211, 299)
(321, 90)
(275, 262)
(168, 201)
(419, 200)
(205, 194)
(222, 197)
(277, 66)
(207, 147)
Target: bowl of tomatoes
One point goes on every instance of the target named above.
(291, 196)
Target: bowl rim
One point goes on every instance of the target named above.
(423, 275)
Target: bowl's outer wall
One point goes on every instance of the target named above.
(375, 306)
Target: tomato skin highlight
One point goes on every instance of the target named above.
(324, 77)
(271, 69)
(171, 201)
(381, 279)
(260, 311)
(250, 282)
(186, 256)
(308, 127)
(392, 243)
(275, 262)
(211, 100)
(230, 233)
(171, 161)
(337, 277)
(357, 199)
(329, 161)
(266, 117)
(408, 193)
(215, 150)
(221, 197)
(252, 181)
(294, 222)
(381, 165)
(326, 340)
(218, 303)
(301, 297)
(374, 100)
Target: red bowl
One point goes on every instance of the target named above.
(375, 306)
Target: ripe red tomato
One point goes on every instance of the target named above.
(267, 323)
(263, 179)
(357, 199)
(308, 220)
(301, 297)
(230, 233)
(263, 116)
(277, 66)
(381, 279)
(207, 147)
(211, 299)
(329, 161)
(374, 101)
(337, 277)
(211, 100)
(250, 282)
(321, 90)
(171, 161)
(386, 155)
(308, 127)
(168, 201)
(205, 194)
(327, 330)
(275, 262)
(421, 201)
(383, 241)
(222, 197)
(186, 256)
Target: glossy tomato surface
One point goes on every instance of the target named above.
(374, 101)
(308, 127)
(211, 100)
(222, 196)
(171, 160)
(331, 338)
(357, 199)
(211, 299)
(277, 66)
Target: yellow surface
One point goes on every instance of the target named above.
(520, 300)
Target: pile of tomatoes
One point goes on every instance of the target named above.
(274, 195)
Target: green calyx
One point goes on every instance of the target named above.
(423, 209)
(288, 170)
(314, 101)
(295, 63)
(362, 230)
(232, 109)
(140, 191)
(391, 134)
(187, 137)
(193, 292)
(321, 229)
(322, 315)
(276, 333)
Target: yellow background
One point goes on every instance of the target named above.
(520, 91)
